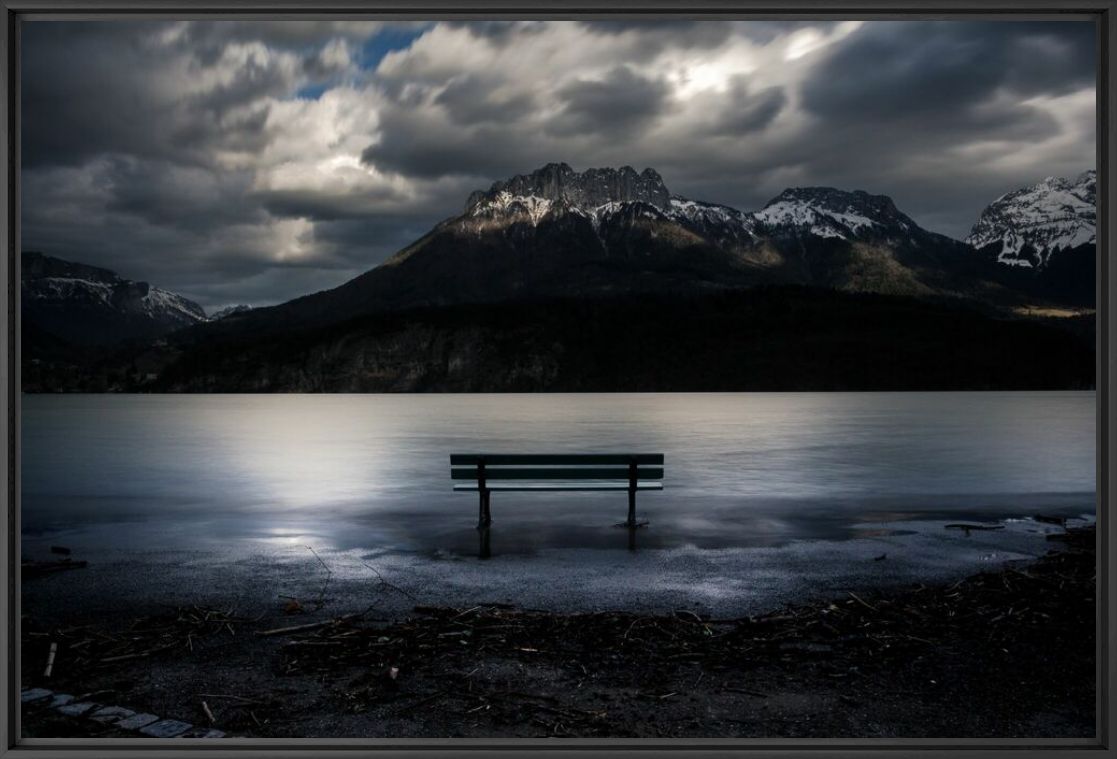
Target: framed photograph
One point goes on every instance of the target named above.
(392, 379)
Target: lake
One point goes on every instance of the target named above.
(372, 471)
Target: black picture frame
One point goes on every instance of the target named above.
(1102, 12)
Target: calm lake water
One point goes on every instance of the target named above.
(372, 471)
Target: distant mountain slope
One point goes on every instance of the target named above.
(556, 232)
(87, 305)
(223, 313)
(857, 242)
(1048, 232)
(617, 245)
(1031, 226)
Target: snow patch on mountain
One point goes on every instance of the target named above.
(826, 212)
(164, 304)
(55, 286)
(1026, 227)
(221, 313)
(713, 217)
(504, 202)
(69, 288)
(600, 195)
(818, 221)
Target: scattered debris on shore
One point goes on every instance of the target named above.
(843, 635)
(87, 648)
(987, 655)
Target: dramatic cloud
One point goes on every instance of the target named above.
(255, 161)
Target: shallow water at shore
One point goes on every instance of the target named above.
(768, 496)
(371, 471)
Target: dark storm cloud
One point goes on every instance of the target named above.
(897, 94)
(187, 198)
(621, 102)
(70, 114)
(303, 35)
(414, 144)
(256, 160)
(743, 112)
(91, 89)
(471, 99)
(909, 69)
(655, 35)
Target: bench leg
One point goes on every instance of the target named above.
(484, 516)
(631, 508)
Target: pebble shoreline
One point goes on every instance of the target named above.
(148, 725)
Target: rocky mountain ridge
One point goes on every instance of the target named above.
(88, 305)
(604, 232)
(1026, 227)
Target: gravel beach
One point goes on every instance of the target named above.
(295, 585)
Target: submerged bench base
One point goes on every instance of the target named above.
(550, 472)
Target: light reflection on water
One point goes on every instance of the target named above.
(371, 471)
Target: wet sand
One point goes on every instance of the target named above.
(252, 576)
(946, 689)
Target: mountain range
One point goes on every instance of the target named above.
(558, 235)
(88, 305)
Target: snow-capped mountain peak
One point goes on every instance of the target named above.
(601, 195)
(90, 304)
(557, 183)
(1025, 227)
(826, 212)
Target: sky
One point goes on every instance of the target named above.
(256, 161)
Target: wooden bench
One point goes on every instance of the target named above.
(485, 473)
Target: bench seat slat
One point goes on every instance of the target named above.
(554, 459)
(556, 473)
(527, 487)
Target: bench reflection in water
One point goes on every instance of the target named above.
(484, 532)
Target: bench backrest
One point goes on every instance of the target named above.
(630, 467)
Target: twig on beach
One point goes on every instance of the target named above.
(50, 658)
(242, 699)
(209, 713)
(309, 625)
(386, 584)
(747, 692)
(324, 565)
(137, 655)
(321, 600)
(861, 601)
